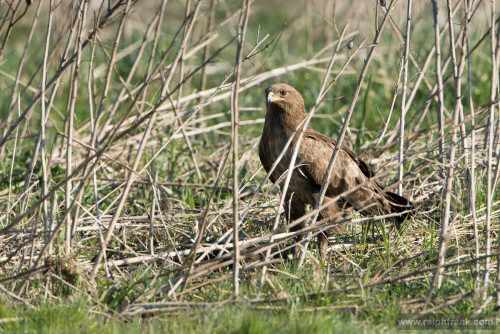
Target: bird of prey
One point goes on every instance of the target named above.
(351, 178)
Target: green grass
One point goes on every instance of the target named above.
(375, 310)
(81, 318)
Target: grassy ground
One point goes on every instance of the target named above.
(96, 235)
(233, 319)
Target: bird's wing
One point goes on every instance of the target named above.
(348, 170)
(264, 156)
(363, 166)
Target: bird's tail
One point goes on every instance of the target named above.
(398, 204)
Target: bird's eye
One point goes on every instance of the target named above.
(283, 93)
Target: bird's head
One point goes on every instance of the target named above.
(284, 98)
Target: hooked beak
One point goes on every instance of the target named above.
(272, 98)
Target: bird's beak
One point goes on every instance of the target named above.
(272, 98)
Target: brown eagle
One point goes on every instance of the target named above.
(285, 110)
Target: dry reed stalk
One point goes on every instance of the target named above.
(396, 89)
(9, 206)
(17, 79)
(457, 74)
(178, 105)
(43, 116)
(70, 115)
(12, 15)
(112, 60)
(206, 49)
(451, 301)
(154, 182)
(423, 69)
(242, 28)
(472, 178)
(439, 78)
(403, 100)
(489, 177)
(93, 134)
(309, 27)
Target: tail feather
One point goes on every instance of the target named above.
(398, 204)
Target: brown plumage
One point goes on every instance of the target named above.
(285, 110)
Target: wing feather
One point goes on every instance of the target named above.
(363, 166)
(265, 155)
(315, 155)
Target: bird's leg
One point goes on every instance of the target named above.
(322, 245)
(294, 209)
(333, 213)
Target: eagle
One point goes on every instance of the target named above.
(351, 177)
